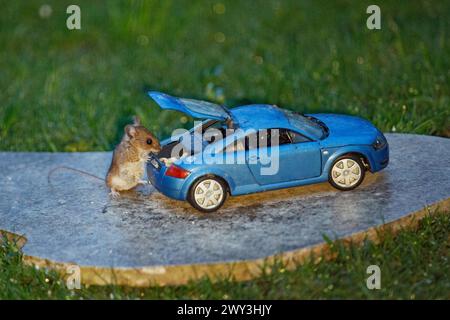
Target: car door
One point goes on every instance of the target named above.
(298, 158)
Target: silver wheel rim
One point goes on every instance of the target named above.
(346, 173)
(208, 194)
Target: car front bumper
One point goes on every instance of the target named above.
(380, 158)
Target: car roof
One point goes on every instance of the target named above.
(259, 116)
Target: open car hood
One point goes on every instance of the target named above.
(195, 108)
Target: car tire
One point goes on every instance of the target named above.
(347, 173)
(208, 193)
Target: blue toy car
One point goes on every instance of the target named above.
(256, 148)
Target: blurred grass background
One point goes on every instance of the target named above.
(65, 90)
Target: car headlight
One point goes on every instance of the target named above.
(380, 142)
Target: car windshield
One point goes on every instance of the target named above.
(305, 124)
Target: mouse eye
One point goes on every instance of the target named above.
(149, 141)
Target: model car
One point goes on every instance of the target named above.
(309, 148)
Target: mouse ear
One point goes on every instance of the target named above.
(130, 130)
(136, 121)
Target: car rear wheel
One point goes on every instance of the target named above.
(207, 194)
(347, 173)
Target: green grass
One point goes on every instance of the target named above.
(67, 90)
(64, 90)
(414, 265)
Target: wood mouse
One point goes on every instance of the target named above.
(130, 157)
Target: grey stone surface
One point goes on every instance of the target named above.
(74, 220)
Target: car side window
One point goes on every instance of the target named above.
(267, 138)
(237, 145)
(281, 136)
(297, 137)
(251, 141)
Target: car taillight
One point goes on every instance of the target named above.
(177, 172)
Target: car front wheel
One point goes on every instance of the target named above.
(347, 173)
(207, 194)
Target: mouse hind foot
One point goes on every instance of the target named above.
(114, 193)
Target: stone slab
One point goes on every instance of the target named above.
(74, 220)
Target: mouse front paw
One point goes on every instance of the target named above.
(145, 158)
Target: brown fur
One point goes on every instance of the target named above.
(129, 158)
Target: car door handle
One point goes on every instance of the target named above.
(253, 158)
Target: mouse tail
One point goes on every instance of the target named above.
(74, 170)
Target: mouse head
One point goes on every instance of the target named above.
(141, 138)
